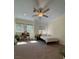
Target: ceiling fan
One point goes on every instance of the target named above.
(40, 12)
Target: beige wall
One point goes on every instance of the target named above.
(56, 28)
(23, 21)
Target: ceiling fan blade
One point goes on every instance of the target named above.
(34, 10)
(45, 7)
(45, 16)
(46, 10)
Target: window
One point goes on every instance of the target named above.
(30, 29)
(25, 27)
(19, 28)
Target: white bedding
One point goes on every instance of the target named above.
(48, 38)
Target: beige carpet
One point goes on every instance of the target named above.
(37, 50)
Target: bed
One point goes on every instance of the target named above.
(48, 38)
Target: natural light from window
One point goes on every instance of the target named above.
(21, 43)
(33, 41)
(24, 43)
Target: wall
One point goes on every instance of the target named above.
(56, 28)
(23, 21)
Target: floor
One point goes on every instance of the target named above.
(37, 50)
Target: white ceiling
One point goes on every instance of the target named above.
(21, 7)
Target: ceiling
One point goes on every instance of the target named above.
(23, 9)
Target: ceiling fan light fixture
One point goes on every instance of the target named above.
(39, 14)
